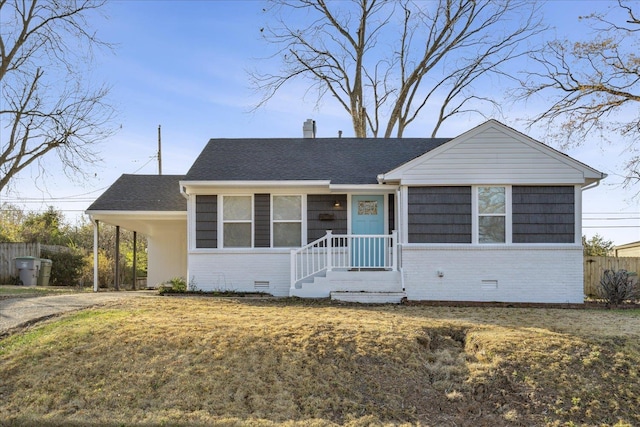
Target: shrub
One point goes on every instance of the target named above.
(176, 285)
(105, 269)
(618, 286)
(66, 267)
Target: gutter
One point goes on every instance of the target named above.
(596, 183)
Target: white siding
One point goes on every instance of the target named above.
(491, 156)
(539, 274)
(166, 251)
(239, 270)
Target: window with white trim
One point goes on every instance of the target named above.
(492, 214)
(237, 221)
(286, 221)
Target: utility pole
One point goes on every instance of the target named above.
(159, 152)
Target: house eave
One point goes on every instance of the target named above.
(359, 188)
(160, 215)
(140, 221)
(592, 182)
(187, 185)
(450, 182)
(628, 245)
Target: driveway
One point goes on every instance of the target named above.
(21, 311)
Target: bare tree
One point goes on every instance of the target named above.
(387, 61)
(46, 105)
(593, 85)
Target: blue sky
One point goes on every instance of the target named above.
(183, 65)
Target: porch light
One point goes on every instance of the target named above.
(336, 204)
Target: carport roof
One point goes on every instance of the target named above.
(142, 193)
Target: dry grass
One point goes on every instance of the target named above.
(204, 361)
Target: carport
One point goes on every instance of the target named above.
(151, 205)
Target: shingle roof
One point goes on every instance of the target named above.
(142, 193)
(340, 160)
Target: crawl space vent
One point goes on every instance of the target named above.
(489, 285)
(261, 285)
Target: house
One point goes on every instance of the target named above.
(627, 250)
(490, 215)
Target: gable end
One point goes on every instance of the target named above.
(493, 153)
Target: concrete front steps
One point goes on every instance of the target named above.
(356, 286)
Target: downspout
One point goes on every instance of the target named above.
(183, 191)
(399, 234)
(582, 190)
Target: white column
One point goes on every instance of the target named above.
(394, 250)
(403, 213)
(96, 228)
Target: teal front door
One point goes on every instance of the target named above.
(367, 218)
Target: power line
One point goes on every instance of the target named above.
(152, 158)
(612, 213)
(72, 198)
(611, 219)
(66, 199)
(611, 226)
(23, 201)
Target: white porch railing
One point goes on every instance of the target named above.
(344, 251)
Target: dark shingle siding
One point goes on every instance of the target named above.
(206, 221)
(439, 214)
(543, 214)
(262, 221)
(142, 193)
(335, 218)
(340, 160)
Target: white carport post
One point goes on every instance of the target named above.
(96, 228)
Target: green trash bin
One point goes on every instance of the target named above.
(45, 272)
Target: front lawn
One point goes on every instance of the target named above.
(209, 361)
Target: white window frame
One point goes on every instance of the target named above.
(301, 221)
(475, 218)
(222, 222)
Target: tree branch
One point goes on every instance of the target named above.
(46, 106)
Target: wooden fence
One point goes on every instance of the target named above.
(594, 266)
(9, 251)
